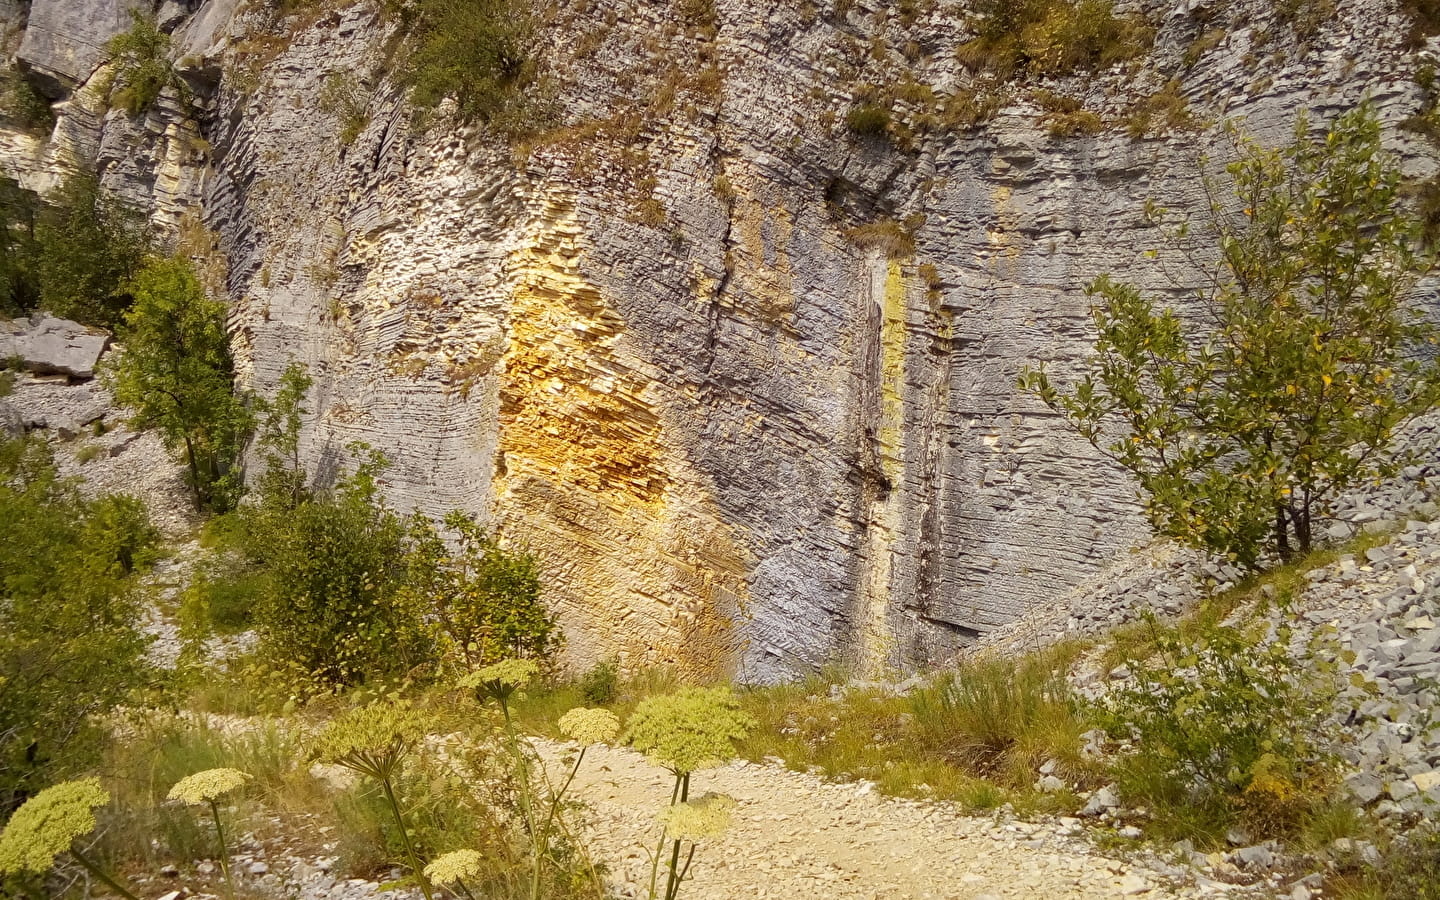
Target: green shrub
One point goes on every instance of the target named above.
(1164, 111)
(222, 598)
(19, 289)
(1224, 729)
(601, 684)
(1050, 37)
(335, 614)
(142, 64)
(486, 599)
(69, 645)
(868, 120)
(1425, 20)
(478, 52)
(1411, 870)
(1305, 17)
(87, 247)
(23, 104)
(968, 108)
(341, 95)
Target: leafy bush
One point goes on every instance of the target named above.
(1050, 37)
(485, 599)
(22, 103)
(1425, 20)
(69, 646)
(142, 64)
(335, 614)
(342, 96)
(87, 247)
(601, 684)
(1223, 729)
(1411, 870)
(19, 291)
(479, 52)
(177, 375)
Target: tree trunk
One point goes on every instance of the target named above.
(1282, 533)
(1301, 518)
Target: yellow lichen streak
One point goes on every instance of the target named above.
(639, 564)
(875, 640)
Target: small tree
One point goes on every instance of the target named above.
(282, 483)
(177, 374)
(485, 598)
(1241, 435)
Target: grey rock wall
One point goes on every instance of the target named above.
(652, 345)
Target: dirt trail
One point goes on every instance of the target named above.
(794, 835)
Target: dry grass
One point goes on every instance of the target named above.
(888, 235)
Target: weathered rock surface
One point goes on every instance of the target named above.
(49, 345)
(12, 423)
(65, 39)
(656, 349)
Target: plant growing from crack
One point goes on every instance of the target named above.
(48, 825)
(208, 787)
(373, 740)
(691, 729)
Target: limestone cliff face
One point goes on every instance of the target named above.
(659, 345)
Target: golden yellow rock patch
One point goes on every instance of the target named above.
(640, 564)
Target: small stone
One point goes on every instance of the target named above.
(1255, 859)
(1236, 837)
(1130, 832)
(1132, 884)
(1401, 789)
(1426, 781)
(169, 871)
(1101, 801)
(1365, 786)
(1049, 784)
(258, 868)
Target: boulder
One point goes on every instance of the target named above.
(12, 423)
(53, 346)
(65, 40)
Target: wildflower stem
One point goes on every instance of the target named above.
(100, 874)
(672, 883)
(224, 854)
(522, 773)
(685, 869)
(405, 839)
(558, 795)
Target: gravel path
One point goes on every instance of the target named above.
(794, 835)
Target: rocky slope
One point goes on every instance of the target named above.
(660, 345)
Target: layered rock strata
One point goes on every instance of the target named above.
(743, 378)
